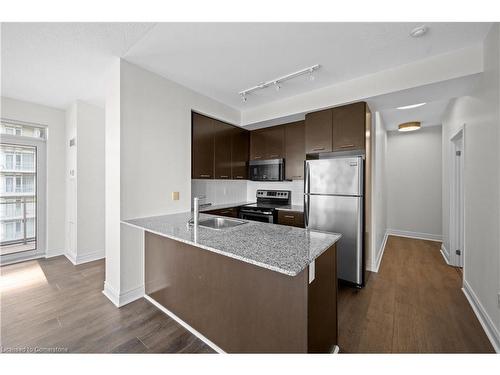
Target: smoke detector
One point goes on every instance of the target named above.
(419, 31)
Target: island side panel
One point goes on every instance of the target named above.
(322, 304)
(240, 307)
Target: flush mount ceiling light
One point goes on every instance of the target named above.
(278, 81)
(409, 126)
(419, 31)
(412, 106)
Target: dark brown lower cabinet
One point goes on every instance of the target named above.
(229, 212)
(240, 307)
(291, 218)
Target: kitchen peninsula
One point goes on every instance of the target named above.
(251, 288)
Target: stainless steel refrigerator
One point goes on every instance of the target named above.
(333, 202)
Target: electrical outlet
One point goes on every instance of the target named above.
(175, 195)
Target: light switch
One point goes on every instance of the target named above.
(175, 195)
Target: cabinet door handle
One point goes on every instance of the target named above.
(273, 156)
(204, 175)
(296, 176)
(346, 146)
(318, 148)
(257, 157)
(289, 216)
(225, 212)
(224, 176)
(239, 176)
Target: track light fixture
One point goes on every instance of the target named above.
(278, 81)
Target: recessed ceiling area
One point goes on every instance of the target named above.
(430, 114)
(57, 63)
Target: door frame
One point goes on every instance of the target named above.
(457, 198)
(41, 198)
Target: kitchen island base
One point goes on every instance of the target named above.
(241, 307)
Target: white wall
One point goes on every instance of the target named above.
(56, 165)
(479, 113)
(414, 183)
(149, 127)
(85, 183)
(379, 193)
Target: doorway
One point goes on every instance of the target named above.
(22, 191)
(457, 194)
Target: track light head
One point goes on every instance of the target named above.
(277, 86)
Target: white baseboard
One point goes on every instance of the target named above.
(85, 258)
(376, 264)
(483, 317)
(16, 259)
(417, 235)
(445, 254)
(185, 325)
(71, 258)
(122, 299)
(52, 253)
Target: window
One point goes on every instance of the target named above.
(9, 161)
(28, 184)
(28, 162)
(18, 161)
(19, 184)
(9, 184)
(22, 130)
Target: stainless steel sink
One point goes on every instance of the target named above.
(220, 223)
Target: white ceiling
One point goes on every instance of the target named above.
(55, 64)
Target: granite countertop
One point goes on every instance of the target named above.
(222, 206)
(284, 249)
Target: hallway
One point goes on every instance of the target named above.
(414, 304)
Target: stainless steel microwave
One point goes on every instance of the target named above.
(267, 170)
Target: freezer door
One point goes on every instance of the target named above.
(340, 214)
(341, 176)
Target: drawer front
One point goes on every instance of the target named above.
(291, 218)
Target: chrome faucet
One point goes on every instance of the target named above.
(196, 209)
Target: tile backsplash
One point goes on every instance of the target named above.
(219, 191)
(233, 191)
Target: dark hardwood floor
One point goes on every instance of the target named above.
(56, 306)
(414, 304)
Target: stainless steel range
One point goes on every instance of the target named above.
(265, 208)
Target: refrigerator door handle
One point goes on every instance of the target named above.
(307, 177)
(306, 210)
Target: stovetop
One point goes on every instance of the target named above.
(271, 199)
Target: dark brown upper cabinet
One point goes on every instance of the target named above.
(267, 143)
(240, 144)
(318, 131)
(295, 152)
(349, 123)
(222, 150)
(275, 142)
(202, 146)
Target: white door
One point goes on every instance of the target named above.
(22, 196)
(457, 193)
